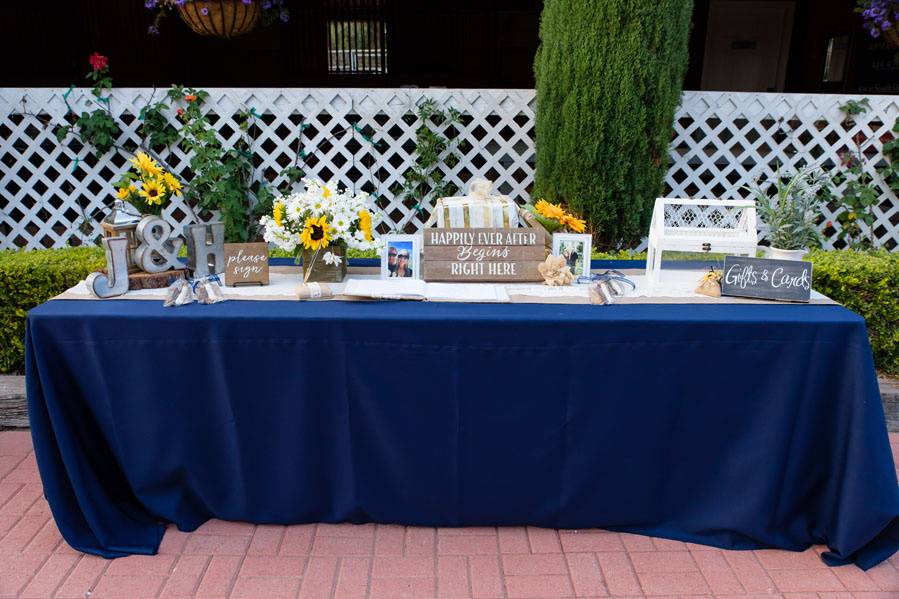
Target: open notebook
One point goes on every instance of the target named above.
(416, 289)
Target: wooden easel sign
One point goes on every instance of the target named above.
(246, 264)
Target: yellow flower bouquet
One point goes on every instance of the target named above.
(555, 218)
(146, 185)
(318, 225)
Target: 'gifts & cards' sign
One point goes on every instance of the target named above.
(783, 280)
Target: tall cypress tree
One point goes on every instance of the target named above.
(609, 76)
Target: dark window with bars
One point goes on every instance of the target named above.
(357, 37)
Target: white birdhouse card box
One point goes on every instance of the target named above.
(701, 226)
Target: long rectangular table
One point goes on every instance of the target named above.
(740, 426)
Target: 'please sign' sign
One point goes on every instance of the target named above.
(483, 254)
(246, 264)
(783, 280)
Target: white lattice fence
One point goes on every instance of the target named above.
(52, 195)
(55, 194)
(724, 141)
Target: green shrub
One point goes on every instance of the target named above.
(866, 283)
(28, 279)
(609, 77)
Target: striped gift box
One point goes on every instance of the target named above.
(476, 212)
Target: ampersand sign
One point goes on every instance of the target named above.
(157, 250)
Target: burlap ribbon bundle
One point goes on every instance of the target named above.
(710, 284)
(314, 291)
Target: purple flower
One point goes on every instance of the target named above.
(247, 1)
(153, 30)
(151, 4)
(204, 11)
(284, 16)
(878, 15)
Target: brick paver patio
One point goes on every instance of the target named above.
(244, 561)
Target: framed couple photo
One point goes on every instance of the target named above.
(576, 249)
(401, 257)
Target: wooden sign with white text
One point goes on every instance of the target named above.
(782, 280)
(246, 264)
(483, 254)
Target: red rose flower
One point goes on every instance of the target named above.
(180, 112)
(98, 61)
(829, 224)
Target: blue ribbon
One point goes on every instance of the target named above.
(210, 278)
(609, 275)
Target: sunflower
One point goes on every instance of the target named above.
(146, 165)
(153, 191)
(316, 233)
(365, 224)
(278, 213)
(172, 183)
(549, 210)
(574, 223)
(125, 192)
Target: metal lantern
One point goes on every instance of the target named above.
(122, 221)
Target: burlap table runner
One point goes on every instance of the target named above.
(676, 287)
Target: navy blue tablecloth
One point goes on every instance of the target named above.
(740, 426)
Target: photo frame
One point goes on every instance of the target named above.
(577, 249)
(392, 256)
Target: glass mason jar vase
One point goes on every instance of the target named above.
(317, 269)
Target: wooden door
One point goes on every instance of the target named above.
(747, 45)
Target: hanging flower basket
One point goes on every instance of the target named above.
(221, 18)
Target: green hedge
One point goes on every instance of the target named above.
(864, 282)
(28, 279)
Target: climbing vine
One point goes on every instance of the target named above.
(221, 177)
(436, 145)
